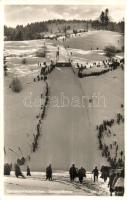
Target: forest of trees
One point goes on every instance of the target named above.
(112, 26)
(28, 32)
(33, 30)
(104, 22)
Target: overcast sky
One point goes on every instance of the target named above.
(24, 14)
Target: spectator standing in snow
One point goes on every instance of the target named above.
(95, 173)
(81, 174)
(72, 172)
(28, 171)
(49, 173)
(111, 182)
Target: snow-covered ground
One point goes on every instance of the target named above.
(61, 185)
(95, 39)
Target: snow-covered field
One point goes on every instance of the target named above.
(61, 185)
(94, 40)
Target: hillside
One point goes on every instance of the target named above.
(71, 127)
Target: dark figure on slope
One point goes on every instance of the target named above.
(49, 173)
(38, 129)
(72, 172)
(95, 173)
(28, 171)
(105, 172)
(81, 174)
(7, 168)
(18, 171)
(112, 177)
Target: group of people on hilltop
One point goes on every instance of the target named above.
(110, 64)
(45, 70)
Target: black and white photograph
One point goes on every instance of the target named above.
(63, 75)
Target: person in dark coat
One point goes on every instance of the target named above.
(28, 171)
(84, 172)
(111, 183)
(104, 172)
(81, 174)
(49, 173)
(18, 171)
(95, 173)
(72, 172)
(7, 168)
